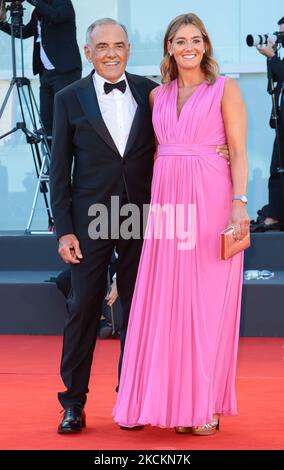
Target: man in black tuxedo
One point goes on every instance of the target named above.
(103, 135)
(56, 56)
(103, 127)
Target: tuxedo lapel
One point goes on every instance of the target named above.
(137, 124)
(88, 99)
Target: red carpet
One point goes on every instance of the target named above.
(29, 382)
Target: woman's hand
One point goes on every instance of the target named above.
(240, 219)
(112, 295)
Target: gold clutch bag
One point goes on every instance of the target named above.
(229, 246)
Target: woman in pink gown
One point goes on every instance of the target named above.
(180, 355)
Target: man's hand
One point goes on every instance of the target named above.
(223, 151)
(267, 51)
(112, 295)
(69, 249)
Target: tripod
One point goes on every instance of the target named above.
(37, 139)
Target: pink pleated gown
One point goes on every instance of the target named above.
(180, 355)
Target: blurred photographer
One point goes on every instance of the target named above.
(272, 217)
(56, 56)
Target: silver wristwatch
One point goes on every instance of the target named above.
(244, 199)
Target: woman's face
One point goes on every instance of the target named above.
(187, 47)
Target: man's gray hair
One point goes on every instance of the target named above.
(101, 22)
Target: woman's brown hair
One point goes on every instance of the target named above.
(208, 65)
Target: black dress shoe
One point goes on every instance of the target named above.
(105, 332)
(73, 421)
(134, 428)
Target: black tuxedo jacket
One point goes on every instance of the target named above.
(58, 31)
(83, 146)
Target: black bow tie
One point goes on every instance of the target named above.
(108, 87)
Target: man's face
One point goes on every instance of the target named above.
(281, 28)
(109, 51)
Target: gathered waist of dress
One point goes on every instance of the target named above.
(186, 150)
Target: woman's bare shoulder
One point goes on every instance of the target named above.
(154, 92)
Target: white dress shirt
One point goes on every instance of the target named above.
(43, 57)
(117, 109)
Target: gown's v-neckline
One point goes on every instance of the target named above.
(187, 101)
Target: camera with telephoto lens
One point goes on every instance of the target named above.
(264, 39)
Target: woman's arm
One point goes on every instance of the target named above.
(151, 102)
(151, 97)
(235, 120)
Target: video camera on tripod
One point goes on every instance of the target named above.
(36, 137)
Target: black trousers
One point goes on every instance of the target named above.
(88, 280)
(276, 181)
(50, 83)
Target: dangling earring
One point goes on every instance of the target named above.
(170, 53)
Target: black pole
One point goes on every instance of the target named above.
(17, 14)
(14, 67)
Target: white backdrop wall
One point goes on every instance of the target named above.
(228, 23)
